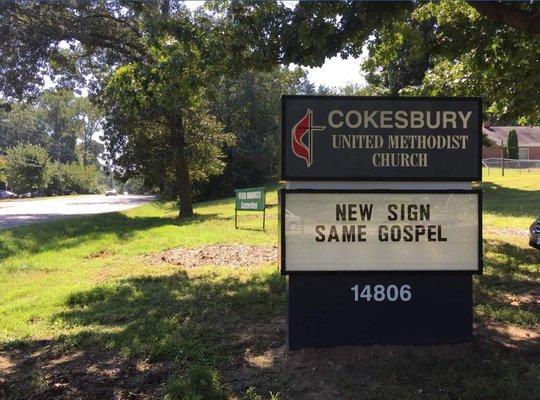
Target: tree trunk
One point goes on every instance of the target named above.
(165, 8)
(85, 150)
(183, 181)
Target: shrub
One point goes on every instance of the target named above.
(74, 177)
(26, 167)
(3, 171)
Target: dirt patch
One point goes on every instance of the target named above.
(100, 254)
(263, 362)
(219, 254)
(506, 231)
(41, 372)
(509, 336)
(530, 300)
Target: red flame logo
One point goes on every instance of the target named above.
(304, 129)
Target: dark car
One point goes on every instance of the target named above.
(6, 194)
(38, 193)
(534, 234)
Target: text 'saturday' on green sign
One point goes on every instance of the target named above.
(250, 199)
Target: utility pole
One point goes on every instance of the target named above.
(502, 157)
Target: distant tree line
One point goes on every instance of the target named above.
(51, 144)
(48, 145)
(29, 169)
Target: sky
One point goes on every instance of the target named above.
(336, 72)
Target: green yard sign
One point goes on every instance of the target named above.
(250, 199)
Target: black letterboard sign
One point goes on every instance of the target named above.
(381, 138)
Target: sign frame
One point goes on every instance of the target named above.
(263, 199)
(282, 246)
(283, 148)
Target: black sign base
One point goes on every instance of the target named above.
(328, 310)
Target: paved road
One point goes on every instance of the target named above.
(20, 212)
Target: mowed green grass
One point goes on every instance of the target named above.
(84, 283)
(512, 200)
(512, 268)
(43, 265)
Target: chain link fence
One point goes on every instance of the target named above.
(501, 165)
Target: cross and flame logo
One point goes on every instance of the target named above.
(304, 129)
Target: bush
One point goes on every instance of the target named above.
(3, 172)
(200, 383)
(26, 167)
(73, 177)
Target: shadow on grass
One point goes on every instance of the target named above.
(507, 292)
(510, 202)
(507, 262)
(70, 232)
(174, 316)
(137, 333)
(169, 321)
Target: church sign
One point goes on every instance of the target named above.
(389, 261)
(344, 138)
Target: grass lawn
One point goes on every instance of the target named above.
(85, 314)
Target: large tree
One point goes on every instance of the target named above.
(60, 113)
(169, 53)
(248, 105)
(90, 119)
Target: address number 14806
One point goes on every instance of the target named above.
(382, 293)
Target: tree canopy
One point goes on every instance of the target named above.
(160, 73)
(451, 47)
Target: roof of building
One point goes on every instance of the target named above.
(527, 135)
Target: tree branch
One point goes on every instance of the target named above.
(118, 20)
(519, 18)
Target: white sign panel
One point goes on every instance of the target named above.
(380, 231)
